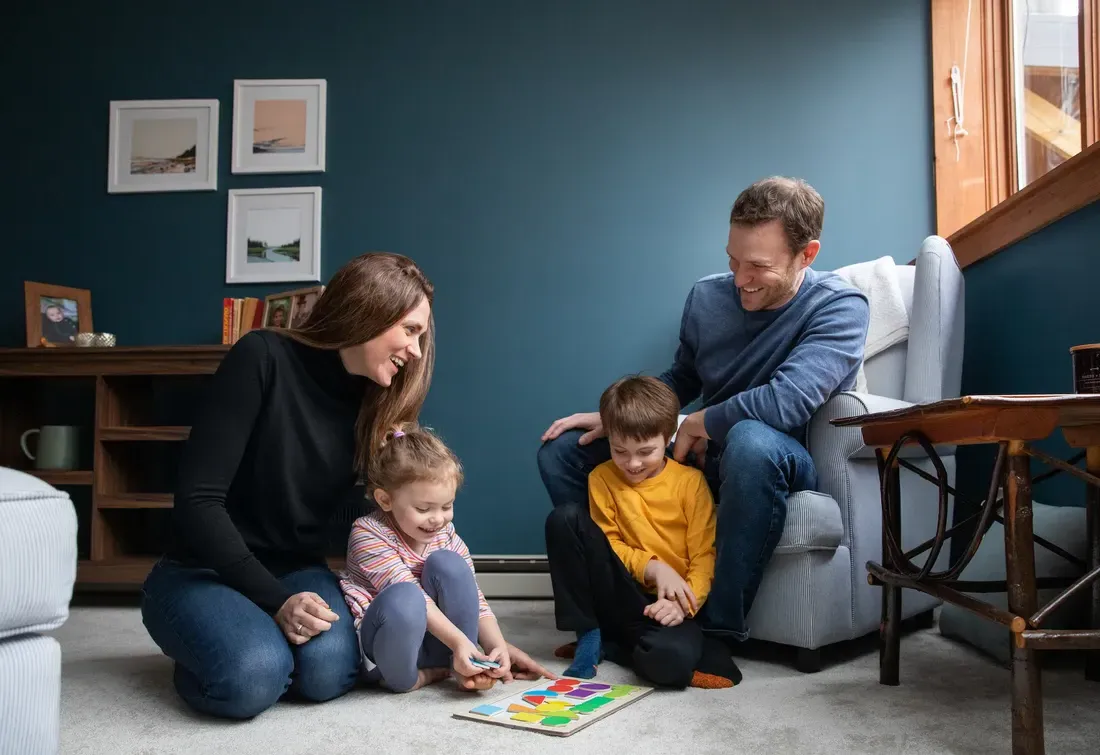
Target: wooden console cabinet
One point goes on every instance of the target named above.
(133, 407)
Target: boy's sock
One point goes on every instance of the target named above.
(716, 670)
(586, 656)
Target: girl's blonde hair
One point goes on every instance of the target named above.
(412, 453)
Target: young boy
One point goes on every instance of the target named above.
(635, 569)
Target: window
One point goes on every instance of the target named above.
(1046, 83)
(1016, 94)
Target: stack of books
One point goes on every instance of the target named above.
(240, 316)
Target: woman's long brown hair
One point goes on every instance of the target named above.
(366, 297)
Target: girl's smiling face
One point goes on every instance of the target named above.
(420, 509)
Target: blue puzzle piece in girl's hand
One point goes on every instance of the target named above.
(483, 664)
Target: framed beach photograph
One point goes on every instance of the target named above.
(55, 314)
(163, 145)
(279, 125)
(274, 235)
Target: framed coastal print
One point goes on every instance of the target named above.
(55, 314)
(162, 145)
(279, 125)
(274, 235)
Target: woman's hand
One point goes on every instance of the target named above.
(589, 421)
(304, 616)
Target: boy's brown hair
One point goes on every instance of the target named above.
(639, 407)
(412, 454)
(792, 201)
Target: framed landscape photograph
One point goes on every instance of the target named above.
(55, 314)
(274, 235)
(279, 125)
(162, 145)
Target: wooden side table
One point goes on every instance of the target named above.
(1013, 423)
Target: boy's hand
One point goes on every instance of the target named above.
(671, 585)
(665, 612)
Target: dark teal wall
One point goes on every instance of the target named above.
(563, 171)
(1025, 307)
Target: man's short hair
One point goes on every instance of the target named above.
(640, 408)
(792, 201)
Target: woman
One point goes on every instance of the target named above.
(243, 601)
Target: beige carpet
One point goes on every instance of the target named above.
(117, 698)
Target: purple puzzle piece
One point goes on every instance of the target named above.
(594, 686)
(580, 694)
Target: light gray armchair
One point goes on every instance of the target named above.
(815, 591)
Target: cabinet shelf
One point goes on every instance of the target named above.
(133, 407)
(149, 432)
(135, 501)
(63, 476)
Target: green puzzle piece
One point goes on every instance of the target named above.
(619, 690)
(555, 721)
(590, 705)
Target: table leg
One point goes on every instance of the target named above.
(1027, 694)
(889, 659)
(1092, 516)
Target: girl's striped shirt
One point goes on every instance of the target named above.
(378, 557)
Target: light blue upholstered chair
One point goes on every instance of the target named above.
(815, 591)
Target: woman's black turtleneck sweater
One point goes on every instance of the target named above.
(270, 456)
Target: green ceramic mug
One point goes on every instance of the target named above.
(57, 446)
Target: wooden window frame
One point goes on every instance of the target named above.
(978, 207)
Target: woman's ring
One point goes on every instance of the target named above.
(300, 630)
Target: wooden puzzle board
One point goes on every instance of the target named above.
(557, 707)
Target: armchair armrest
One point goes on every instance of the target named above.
(827, 442)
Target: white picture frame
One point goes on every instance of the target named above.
(162, 145)
(276, 219)
(279, 125)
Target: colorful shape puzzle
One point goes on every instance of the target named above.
(566, 706)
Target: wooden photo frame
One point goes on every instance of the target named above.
(290, 308)
(55, 314)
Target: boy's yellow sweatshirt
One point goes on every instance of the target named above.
(670, 517)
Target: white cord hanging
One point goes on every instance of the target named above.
(958, 88)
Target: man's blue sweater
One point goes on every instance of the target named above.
(777, 366)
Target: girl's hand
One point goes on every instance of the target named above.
(462, 653)
(501, 656)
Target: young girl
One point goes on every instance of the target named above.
(409, 580)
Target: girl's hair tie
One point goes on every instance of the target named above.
(398, 433)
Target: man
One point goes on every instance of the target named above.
(764, 347)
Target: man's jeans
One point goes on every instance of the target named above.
(231, 658)
(750, 473)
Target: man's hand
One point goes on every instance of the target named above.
(589, 421)
(665, 612)
(692, 436)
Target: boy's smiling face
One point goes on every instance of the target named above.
(638, 460)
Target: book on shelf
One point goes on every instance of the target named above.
(240, 316)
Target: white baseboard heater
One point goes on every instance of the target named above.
(515, 577)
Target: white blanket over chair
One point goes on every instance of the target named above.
(889, 323)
